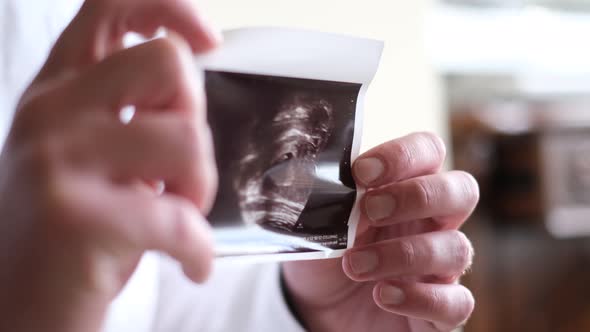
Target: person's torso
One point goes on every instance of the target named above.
(27, 32)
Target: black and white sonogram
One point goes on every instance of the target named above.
(283, 148)
(277, 165)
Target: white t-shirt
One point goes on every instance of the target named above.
(158, 297)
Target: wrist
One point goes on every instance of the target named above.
(36, 297)
(31, 310)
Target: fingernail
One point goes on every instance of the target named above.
(368, 170)
(379, 207)
(362, 262)
(391, 295)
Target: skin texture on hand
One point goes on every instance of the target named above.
(77, 212)
(402, 275)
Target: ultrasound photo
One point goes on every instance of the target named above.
(283, 148)
(285, 109)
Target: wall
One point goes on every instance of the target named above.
(404, 96)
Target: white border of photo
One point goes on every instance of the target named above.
(302, 54)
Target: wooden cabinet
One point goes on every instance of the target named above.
(532, 229)
(525, 280)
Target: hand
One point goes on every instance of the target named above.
(76, 211)
(402, 275)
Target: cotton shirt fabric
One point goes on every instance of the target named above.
(158, 297)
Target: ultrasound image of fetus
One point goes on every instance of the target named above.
(277, 167)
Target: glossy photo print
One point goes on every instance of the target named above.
(283, 148)
(284, 108)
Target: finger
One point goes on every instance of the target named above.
(100, 26)
(127, 82)
(173, 225)
(159, 74)
(123, 80)
(445, 197)
(166, 146)
(446, 307)
(413, 155)
(140, 220)
(445, 254)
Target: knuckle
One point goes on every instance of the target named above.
(199, 167)
(41, 159)
(158, 211)
(436, 301)
(425, 195)
(209, 184)
(168, 58)
(181, 232)
(470, 187)
(469, 302)
(168, 223)
(426, 253)
(45, 155)
(152, 229)
(434, 144)
(93, 276)
(462, 250)
(407, 254)
(190, 138)
(448, 190)
(404, 158)
(29, 120)
(165, 48)
(466, 305)
(186, 235)
(58, 208)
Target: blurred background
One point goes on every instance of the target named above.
(507, 83)
(516, 80)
